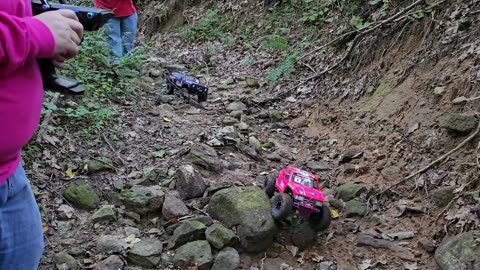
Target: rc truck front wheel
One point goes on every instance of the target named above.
(282, 206)
(269, 185)
(202, 97)
(320, 221)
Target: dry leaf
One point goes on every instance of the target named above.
(334, 213)
(44, 228)
(70, 173)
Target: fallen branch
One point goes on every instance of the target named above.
(478, 156)
(424, 169)
(113, 149)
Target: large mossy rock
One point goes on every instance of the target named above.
(460, 252)
(250, 210)
(81, 194)
(349, 191)
(143, 200)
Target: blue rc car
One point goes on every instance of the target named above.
(177, 80)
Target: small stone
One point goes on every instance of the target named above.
(113, 262)
(275, 156)
(227, 259)
(276, 116)
(134, 216)
(236, 114)
(318, 166)
(76, 251)
(253, 83)
(146, 253)
(96, 166)
(243, 126)
(458, 122)
(222, 87)
(268, 145)
(236, 106)
(427, 245)
(229, 121)
(190, 184)
(350, 154)
(65, 261)
(65, 212)
(166, 258)
(132, 231)
(219, 236)
(111, 244)
(164, 99)
(442, 196)
(173, 208)
(255, 143)
(355, 208)
(349, 168)
(390, 173)
(349, 191)
(205, 220)
(104, 214)
(187, 231)
(305, 123)
(228, 81)
(197, 252)
(439, 91)
(206, 157)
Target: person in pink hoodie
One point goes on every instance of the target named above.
(23, 39)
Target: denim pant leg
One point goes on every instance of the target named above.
(21, 236)
(129, 31)
(114, 39)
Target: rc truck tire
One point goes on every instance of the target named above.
(269, 185)
(170, 89)
(282, 206)
(202, 97)
(320, 221)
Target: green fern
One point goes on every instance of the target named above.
(284, 70)
(275, 42)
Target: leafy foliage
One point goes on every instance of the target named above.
(212, 27)
(285, 69)
(275, 42)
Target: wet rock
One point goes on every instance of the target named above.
(197, 252)
(113, 262)
(187, 231)
(236, 106)
(227, 259)
(250, 210)
(390, 173)
(302, 235)
(65, 261)
(173, 207)
(254, 142)
(81, 194)
(104, 214)
(229, 121)
(143, 200)
(459, 252)
(349, 191)
(253, 83)
(427, 245)
(111, 244)
(350, 154)
(190, 184)
(442, 196)
(131, 231)
(250, 152)
(318, 166)
(146, 253)
(355, 208)
(206, 157)
(458, 122)
(96, 166)
(275, 156)
(219, 236)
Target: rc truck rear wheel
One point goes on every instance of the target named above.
(269, 185)
(170, 89)
(320, 221)
(282, 206)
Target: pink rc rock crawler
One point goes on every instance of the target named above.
(298, 189)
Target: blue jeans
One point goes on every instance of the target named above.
(121, 36)
(21, 236)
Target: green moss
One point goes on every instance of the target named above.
(81, 194)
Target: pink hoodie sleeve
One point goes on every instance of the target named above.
(22, 39)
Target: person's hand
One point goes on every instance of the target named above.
(59, 61)
(67, 32)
